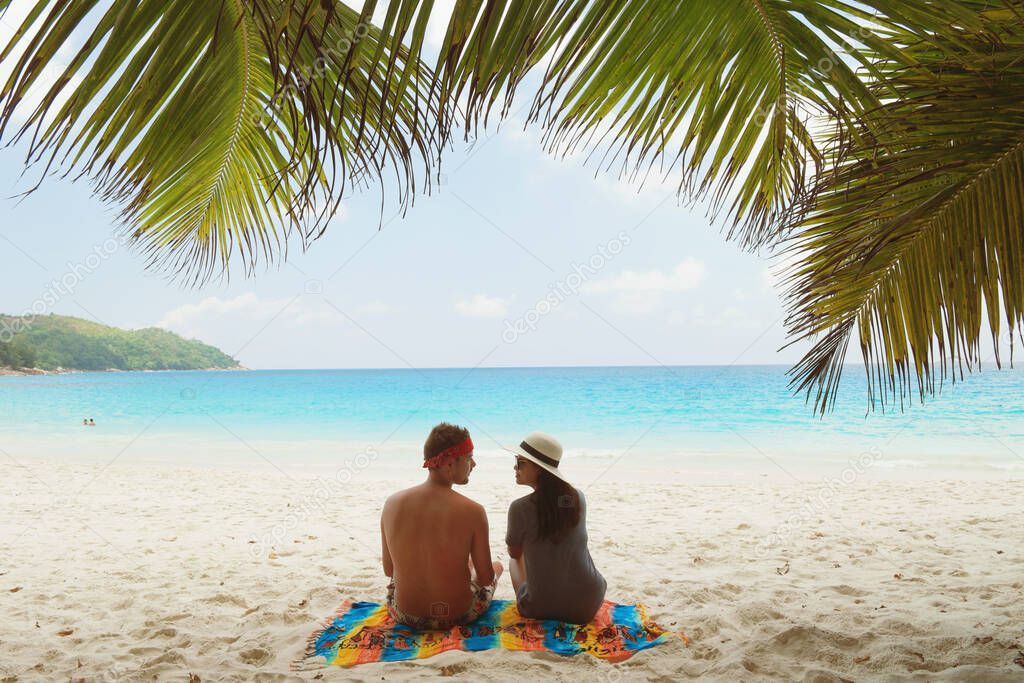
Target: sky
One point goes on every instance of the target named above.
(516, 259)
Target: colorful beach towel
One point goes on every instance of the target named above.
(363, 632)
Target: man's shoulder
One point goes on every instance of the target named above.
(468, 503)
(399, 496)
(443, 498)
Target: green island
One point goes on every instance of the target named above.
(54, 343)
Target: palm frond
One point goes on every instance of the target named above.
(725, 90)
(917, 236)
(219, 127)
(180, 113)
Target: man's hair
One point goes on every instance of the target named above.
(443, 436)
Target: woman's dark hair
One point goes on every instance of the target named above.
(558, 506)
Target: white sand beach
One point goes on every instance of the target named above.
(141, 572)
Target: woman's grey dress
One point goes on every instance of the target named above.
(561, 580)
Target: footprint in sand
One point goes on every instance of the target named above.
(257, 656)
(226, 599)
(453, 669)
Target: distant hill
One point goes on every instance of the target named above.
(51, 342)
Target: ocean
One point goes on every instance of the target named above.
(726, 417)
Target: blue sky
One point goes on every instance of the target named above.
(491, 250)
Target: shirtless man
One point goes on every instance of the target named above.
(434, 543)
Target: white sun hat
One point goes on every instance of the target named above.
(542, 450)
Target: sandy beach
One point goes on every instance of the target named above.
(140, 572)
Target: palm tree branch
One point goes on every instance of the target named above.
(722, 92)
(917, 235)
(218, 130)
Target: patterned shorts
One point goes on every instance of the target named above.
(482, 596)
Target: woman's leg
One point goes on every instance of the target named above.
(517, 570)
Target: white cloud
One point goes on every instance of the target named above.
(185, 316)
(636, 303)
(213, 314)
(631, 190)
(483, 306)
(585, 163)
(740, 294)
(376, 308)
(726, 319)
(516, 129)
(642, 293)
(581, 164)
(687, 275)
(730, 318)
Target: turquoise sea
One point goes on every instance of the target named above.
(709, 413)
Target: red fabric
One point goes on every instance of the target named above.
(450, 454)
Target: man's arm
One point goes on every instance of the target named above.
(385, 553)
(480, 550)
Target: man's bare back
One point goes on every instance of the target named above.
(434, 541)
(430, 532)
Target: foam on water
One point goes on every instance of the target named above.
(699, 417)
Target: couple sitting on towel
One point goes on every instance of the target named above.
(436, 550)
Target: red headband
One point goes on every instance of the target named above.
(450, 454)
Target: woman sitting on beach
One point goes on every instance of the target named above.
(552, 572)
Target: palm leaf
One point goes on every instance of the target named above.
(724, 90)
(916, 238)
(181, 114)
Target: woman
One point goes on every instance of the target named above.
(552, 572)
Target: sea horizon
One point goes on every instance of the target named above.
(736, 418)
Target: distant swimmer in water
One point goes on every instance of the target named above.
(92, 422)
(85, 423)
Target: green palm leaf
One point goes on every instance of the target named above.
(182, 114)
(723, 89)
(163, 114)
(918, 235)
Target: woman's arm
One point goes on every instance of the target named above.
(517, 568)
(514, 533)
(514, 538)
